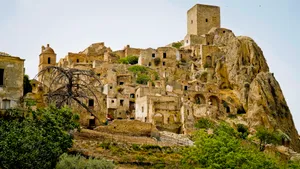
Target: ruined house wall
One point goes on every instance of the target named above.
(131, 51)
(12, 88)
(206, 52)
(141, 108)
(76, 58)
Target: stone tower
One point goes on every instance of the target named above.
(47, 58)
(201, 18)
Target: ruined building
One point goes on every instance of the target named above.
(213, 74)
(11, 80)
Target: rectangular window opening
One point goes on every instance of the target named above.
(165, 55)
(121, 102)
(1, 77)
(91, 102)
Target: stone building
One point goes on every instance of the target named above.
(11, 80)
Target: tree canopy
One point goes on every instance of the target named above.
(35, 139)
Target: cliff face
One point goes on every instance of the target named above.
(245, 69)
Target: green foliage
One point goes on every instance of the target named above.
(132, 60)
(142, 79)
(129, 60)
(156, 61)
(177, 45)
(35, 138)
(243, 130)
(267, 137)
(26, 85)
(294, 164)
(223, 149)
(136, 147)
(136, 69)
(206, 65)
(79, 162)
(156, 75)
(204, 123)
(105, 145)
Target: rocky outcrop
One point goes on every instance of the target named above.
(246, 71)
(267, 107)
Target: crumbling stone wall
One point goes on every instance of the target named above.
(11, 86)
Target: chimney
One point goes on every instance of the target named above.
(43, 48)
(48, 45)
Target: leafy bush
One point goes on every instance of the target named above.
(79, 162)
(136, 69)
(129, 60)
(243, 130)
(224, 150)
(156, 61)
(105, 145)
(136, 147)
(35, 138)
(142, 79)
(132, 60)
(204, 123)
(123, 60)
(177, 45)
(267, 137)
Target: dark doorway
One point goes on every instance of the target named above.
(92, 122)
(49, 60)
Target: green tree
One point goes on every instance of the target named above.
(35, 139)
(223, 149)
(177, 45)
(142, 79)
(266, 137)
(26, 85)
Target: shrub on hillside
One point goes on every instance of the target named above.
(142, 79)
(243, 130)
(129, 60)
(223, 149)
(204, 123)
(79, 162)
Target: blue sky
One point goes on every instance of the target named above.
(72, 25)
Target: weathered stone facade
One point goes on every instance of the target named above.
(11, 80)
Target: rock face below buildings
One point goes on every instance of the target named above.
(247, 73)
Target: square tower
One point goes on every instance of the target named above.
(201, 18)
